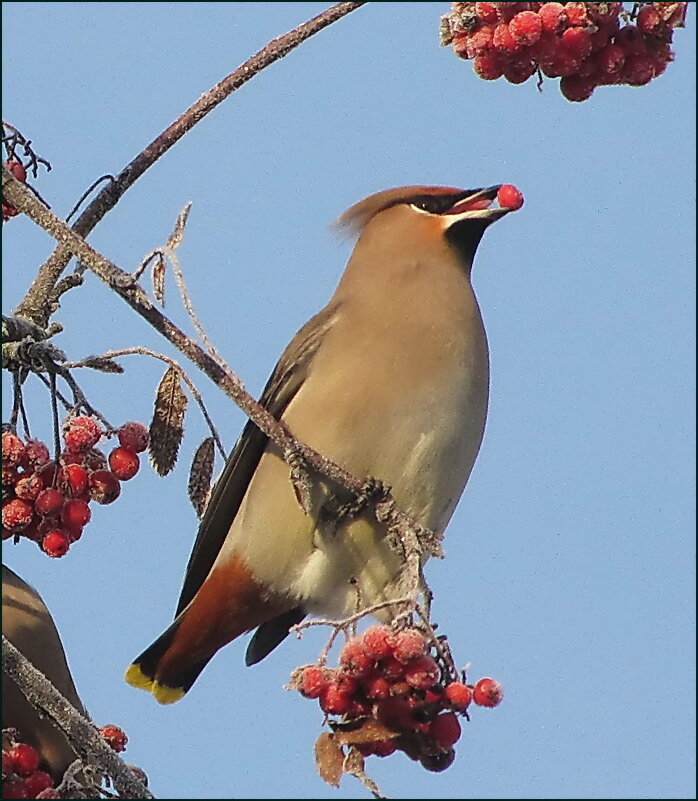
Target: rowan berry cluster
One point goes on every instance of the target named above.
(393, 679)
(21, 776)
(20, 173)
(47, 500)
(584, 44)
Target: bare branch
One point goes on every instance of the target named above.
(81, 733)
(34, 304)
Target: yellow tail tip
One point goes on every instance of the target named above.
(162, 694)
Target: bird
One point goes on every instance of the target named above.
(29, 626)
(391, 381)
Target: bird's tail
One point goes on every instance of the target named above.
(229, 603)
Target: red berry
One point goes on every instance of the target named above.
(392, 669)
(378, 642)
(75, 514)
(648, 19)
(509, 197)
(35, 454)
(134, 436)
(577, 88)
(638, 70)
(479, 42)
(104, 487)
(395, 713)
(17, 514)
(577, 41)
(12, 449)
(37, 782)
(14, 789)
(610, 59)
(28, 487)
(83, 433)
(488, 66)
(445, 729)
(552, 16)
(55, 543)
(487, 692)
(409, 645)
(519, 70)
(630, 40)
(124, 463)
(503, 40)
(458, 695)
(487, 12)
(49, 502)
(17, 169)
(313, 682)
(115, 736)
(376, 687)
(73, 478)
(560, 63)
(526, 27)
(353, 660)
(577, 14)
(334, 701)
(422, 673)
(25, 759)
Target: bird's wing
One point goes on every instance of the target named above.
(287, 378)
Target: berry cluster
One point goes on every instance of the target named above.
(391, 678)
(21, 777)
(583, 44)
(48, 500)
(20, 173)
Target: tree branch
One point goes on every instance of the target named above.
(81, 733)
(35, 305)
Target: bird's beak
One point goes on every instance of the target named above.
(476, 205)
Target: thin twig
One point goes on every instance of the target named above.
(141, 351)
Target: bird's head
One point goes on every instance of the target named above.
(417, 219)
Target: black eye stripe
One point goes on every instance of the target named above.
(435, 204)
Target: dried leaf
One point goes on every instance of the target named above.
(176, 237)
(103, 363)
(354, 766)
(158, 277)
(370, 731)
(166, 428)
(329, 758)
(200, 476)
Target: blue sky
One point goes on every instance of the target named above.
(569, 570)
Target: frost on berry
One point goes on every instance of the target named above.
(37, 782)
(35, 454)
(115, 736)
(28, 487)
(354, 660)
(49, 502)
(487, 692)
(422, 673)
(409, 645)
(378, 642)
(134, 436)
(75, 514)
(55, 543)
(335, 701)
(17, 514)
(313, 681)
(12, 449)
(458, 695)
(82, 434)
(526, 27)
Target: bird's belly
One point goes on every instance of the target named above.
(423, 445)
